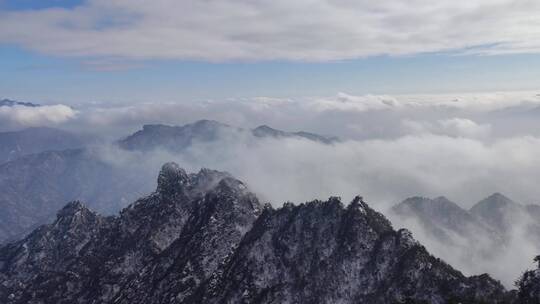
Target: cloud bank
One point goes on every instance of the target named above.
(21, 116)
(463, 146)
(307, 30)
(384, 172)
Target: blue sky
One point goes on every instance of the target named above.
(36, 73)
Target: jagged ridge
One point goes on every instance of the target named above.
(204, 238)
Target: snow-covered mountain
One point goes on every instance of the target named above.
(35, 140)
(205, 238)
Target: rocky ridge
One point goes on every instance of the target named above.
(205, 238)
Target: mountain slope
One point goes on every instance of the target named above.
(175, 138)
(497, 210)
(189, 224)
(323, 252)
(33, 187)
(35, 140)
(440, 217)
(478, 239)
(201, 238)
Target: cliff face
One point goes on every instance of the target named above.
(204, 238)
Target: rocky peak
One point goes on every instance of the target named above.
(213, 245)
(324, 252)
(73, 209)
(171, 179)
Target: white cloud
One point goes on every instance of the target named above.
(384, 171)
(312, 30)
(22, 116)
(346, 102)
(457, 127)
(480, 115)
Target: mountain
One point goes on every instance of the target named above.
(266, 131)
(177, 138)
(494, 215)
(158, 249)
(440, 217)
(497, 210)
(35, 140)
(205, 238)
(33, 187)
(12, 103)
(477, 239)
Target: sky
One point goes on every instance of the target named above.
(77, 52)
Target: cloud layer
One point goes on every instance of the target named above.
(463, 146)
(307, 30)
(22, 116)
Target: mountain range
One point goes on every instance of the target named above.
(34, 186)
(496, 235)
(205, 238)
(177, 138)
(495, 216)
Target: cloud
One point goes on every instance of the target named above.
(384, 172)
(479, 115)
(22, 116)
(307, 30)
(346, 102)
(480, 251)
(457, 127)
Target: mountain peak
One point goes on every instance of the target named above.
(171, 177)
(71, 209)
(264, 130)
(442, 199)
(494, 201)
(501, 198)
(437, 204)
